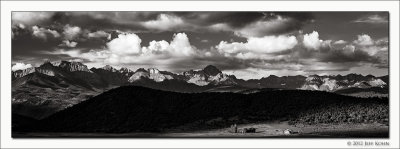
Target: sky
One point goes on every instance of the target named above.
(250, 45)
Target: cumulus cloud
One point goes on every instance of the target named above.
(20, 66)
(71, 32)
(67, 43)
(157, 51)
(180, 45)
(312, 41)
(363, 49)
(363, 40)
(156, 47)
(43, 33)
(127, 49)
(266, 55)
(125, 44)
(255, 46)
(164, 22)
(365, 43)
(373, 19)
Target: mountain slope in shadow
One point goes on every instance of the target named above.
(139, 109)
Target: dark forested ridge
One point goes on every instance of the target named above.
(140, 109)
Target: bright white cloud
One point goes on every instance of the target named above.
(271, 44)
(312, 41)
(257, 47)
(365, 43)
(164, 22)
(67, 43)
(71, 32)
(126, 49)
(156, 47)
(21, 26)
(125, 44)
(20, 66)
(180, 45)
(364, 40)
(99, 34)
(43, 33)
(261, 28)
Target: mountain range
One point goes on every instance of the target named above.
(38, 92)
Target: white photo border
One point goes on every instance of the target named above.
(8, 6)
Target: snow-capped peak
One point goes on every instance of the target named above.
(377, 82)
(153, 70)
(109, 68)
(151, 73)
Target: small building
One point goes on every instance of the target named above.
(287, 132)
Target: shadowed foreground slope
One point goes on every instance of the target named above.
(139, 109)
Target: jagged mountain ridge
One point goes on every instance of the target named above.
(210, 75)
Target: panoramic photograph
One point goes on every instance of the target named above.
(162, 74)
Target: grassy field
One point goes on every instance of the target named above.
(263, 130)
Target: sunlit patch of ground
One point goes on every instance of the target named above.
(272, 129)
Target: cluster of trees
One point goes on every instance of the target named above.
(350, 113)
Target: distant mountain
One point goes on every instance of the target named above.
(112, 76)
(152, 74)
(334, 83)
(139, 109)
(41, 91)
(54, 86)
(209, 75)
(66, 73)
(71, 66)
